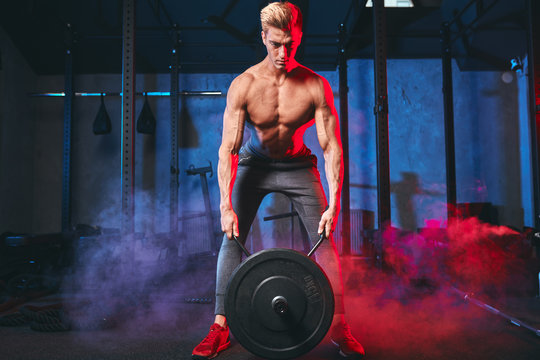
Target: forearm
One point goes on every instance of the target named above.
(227, 166)
(333, 164)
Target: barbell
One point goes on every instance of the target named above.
(279, 302)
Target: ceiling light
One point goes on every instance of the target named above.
(393, 3)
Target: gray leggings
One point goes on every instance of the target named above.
(300, 181)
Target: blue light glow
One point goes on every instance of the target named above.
(90, 94)
(158, 93)
(53, 94)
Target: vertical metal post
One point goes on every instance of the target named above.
(533, 51)
(344, 127)
(66, 157)
(381, 114)
(451, 197)
(128, 115)
(174, 137)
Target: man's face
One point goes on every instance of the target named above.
(281, 45)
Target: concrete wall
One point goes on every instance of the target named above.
(17, 133)
(491, 132)
(487, 143)
(416, 140)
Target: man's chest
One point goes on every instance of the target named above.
(289, 104)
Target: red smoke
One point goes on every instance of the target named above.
(408, 306)
(468, 253)
(482, 256)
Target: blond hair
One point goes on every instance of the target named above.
(282, 15)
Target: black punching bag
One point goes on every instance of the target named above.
(146, 123)
(102, 123)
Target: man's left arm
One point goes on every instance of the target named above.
(326, 122)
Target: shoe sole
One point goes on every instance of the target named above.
(354, 356)
(220, 349)
(339, 348)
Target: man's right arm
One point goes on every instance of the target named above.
(234, 119)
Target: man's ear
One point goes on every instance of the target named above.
(263, 37)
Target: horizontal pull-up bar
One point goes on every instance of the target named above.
(149, 93)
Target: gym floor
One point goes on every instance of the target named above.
(393, 321)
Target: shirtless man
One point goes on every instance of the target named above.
(278, 99)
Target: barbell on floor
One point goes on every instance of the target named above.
(279, 303)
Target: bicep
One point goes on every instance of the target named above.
(233, 128)
(326, 118)
(234, 119)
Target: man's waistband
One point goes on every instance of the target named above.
(248, 156)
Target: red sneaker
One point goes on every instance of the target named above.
(216, 341)
(348, 346)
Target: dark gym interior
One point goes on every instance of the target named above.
(111, 118)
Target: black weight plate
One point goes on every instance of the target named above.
(279, 304)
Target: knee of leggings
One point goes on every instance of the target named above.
(229, 246)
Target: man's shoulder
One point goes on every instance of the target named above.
(305, 71)
(244, 78)
(308, 75)
(316, 84)
(242, 82)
